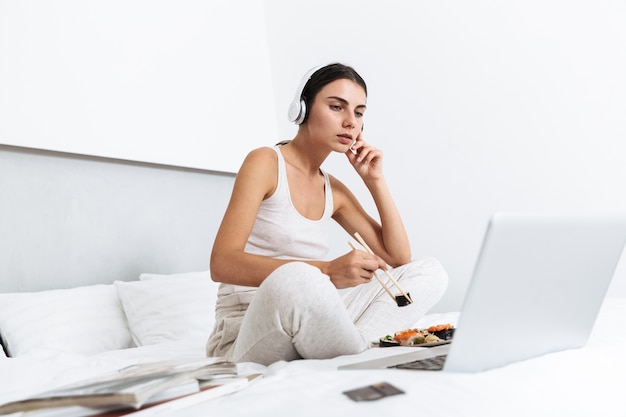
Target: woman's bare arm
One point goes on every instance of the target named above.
(388, 239)
(255, 181)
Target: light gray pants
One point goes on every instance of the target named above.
(298, 313)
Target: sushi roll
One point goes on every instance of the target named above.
(388, 341)
(410, 337)
(418, 339)
(442, 331)
(402, 301)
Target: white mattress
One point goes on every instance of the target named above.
(585, 382)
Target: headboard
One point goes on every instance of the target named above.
(68, 220)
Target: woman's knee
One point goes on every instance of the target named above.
(425, 271)
(296, 281)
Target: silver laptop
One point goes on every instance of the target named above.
(537, 287)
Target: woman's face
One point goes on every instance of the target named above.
(336, 116)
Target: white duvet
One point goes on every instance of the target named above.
(585, 382)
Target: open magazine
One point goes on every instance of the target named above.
(135, 386)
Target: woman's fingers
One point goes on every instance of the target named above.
(366, 263)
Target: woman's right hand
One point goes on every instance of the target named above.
(354, 268)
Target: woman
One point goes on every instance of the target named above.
(278, 298)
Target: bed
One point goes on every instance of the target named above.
(89, 331)
(58, 331)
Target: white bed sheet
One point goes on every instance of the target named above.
(585, 382)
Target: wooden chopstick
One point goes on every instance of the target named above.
(362, 242)
(380, 281)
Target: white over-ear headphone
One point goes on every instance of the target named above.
(297, 108)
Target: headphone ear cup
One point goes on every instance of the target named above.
(302, 113)
(297, 111)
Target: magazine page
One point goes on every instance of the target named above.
(130, 386)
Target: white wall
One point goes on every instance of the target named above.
(479, 107)
(165, 81)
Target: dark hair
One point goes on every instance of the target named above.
(327, 75)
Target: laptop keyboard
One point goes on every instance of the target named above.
(429, 364)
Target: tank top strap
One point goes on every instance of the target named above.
(328, 193)
(282, 170)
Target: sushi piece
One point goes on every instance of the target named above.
(388, 341)
(442, 331)
(402, 301)
(418, 339)
(410, 337)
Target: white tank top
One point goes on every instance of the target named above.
(280, 231)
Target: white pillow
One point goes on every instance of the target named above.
(162, 308)
(82, 320)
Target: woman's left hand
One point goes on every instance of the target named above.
(366, 160)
